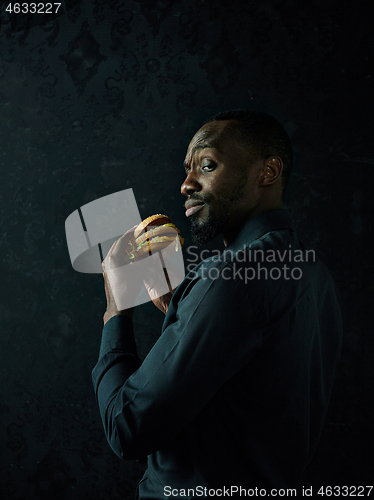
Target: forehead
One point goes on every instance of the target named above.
(217, 132)
(212, 135)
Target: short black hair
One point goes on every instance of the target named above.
(263, 134)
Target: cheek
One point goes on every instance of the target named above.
(211, 188)
(217, 184)
(236, 196)
(225, 187)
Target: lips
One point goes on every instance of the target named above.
(193, 209)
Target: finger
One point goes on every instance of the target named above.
(124, 239)
(119, 255)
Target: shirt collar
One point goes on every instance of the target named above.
(278, 218)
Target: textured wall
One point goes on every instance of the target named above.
(106, 97)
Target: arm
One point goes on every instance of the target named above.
(209, 334)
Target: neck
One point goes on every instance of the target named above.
(229, 236)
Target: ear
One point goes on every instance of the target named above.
(271, 171)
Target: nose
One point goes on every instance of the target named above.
(190, 185)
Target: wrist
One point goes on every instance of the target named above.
(127, 312)
(109, 314)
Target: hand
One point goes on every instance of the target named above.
(152, 284)
(111, 309)
(123, 279)
(160, 276)
(116, 258)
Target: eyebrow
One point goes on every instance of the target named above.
(205, 145)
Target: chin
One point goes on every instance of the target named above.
(206, 229)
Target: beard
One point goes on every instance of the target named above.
(204, 231)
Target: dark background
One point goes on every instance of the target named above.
(106, 96)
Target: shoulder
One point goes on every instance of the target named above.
(214, 285)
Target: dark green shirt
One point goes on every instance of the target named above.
(235, 390)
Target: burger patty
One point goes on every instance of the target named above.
(155, 238)
(164, 230)
(154, 220)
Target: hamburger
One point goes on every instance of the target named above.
(152, 235)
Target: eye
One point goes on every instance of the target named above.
(208, 166)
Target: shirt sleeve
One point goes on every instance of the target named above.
(210, 332)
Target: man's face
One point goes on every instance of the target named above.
(221, 181)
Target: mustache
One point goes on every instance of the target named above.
(203, 199)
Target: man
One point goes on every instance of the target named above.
(234, 393)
